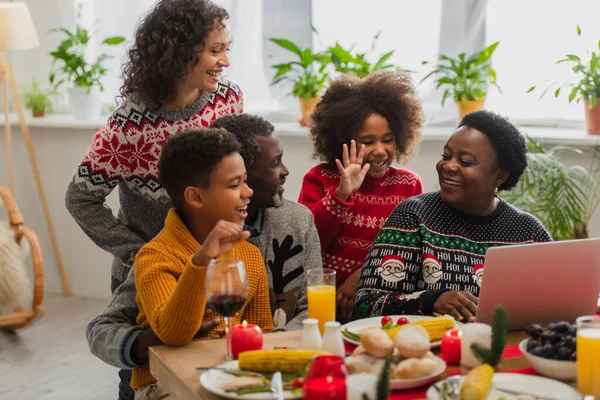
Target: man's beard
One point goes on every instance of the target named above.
(274, 200)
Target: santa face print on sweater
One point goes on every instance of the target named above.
(478, 274)
(392, 269)
(432, 270)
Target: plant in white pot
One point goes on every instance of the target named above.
(587, 89)
(69, 64)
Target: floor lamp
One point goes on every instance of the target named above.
(17, 32)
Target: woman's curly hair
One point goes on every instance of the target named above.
(349, 101)
(164, 45)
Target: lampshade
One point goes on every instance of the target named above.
(17, 31)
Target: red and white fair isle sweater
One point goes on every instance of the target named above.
(347, 228)
(124, 155)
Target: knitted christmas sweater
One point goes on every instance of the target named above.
(347, 228)
(125, 154)
(170, 289)
(426, 247)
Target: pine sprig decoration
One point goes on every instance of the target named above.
(493, 355)
(383, 383)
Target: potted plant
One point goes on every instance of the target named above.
(38, 100)
(85, 74)
(562, 197)
(587, 89)
(357, 64)
(308, 75)
(466, 78)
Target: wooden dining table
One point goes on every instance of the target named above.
(175, 368)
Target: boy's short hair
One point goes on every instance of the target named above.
(188, 158)
(246, 127)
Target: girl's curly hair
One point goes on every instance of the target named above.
(349, 101)
(164, 45)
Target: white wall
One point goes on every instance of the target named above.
(59, 151)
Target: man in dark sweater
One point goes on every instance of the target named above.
(283, 231)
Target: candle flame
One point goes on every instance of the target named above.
(329, 379)
(245, 324)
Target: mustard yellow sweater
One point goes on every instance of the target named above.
(170, 289)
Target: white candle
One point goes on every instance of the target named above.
(359, 384)
(474, 333)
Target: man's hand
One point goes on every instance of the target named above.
(345, 294)
(223, 237)
(461, 305)
(139, 350)
(352, 172)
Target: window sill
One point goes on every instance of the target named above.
(431, 133)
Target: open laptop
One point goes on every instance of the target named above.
(541, 282)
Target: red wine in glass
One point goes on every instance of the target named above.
(226, 289)
(226, 305)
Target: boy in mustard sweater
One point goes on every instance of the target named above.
(204, 174)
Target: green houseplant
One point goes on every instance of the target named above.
(69, 64)
(588, 87)
(307, 74)
(357, 64)
(38, 100)
(465, 78)
(563, 197)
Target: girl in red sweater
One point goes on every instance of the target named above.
(352, 198)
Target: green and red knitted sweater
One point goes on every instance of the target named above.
(426, 247)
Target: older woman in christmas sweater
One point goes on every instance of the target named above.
(429, 255)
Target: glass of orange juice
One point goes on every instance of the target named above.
(321, 295)
(588, 356)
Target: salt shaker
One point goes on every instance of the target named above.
(311, 336)
(332, 340)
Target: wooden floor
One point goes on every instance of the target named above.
(50, 360)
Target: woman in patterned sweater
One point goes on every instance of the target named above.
(172, 82)
(351, 200)
(429, 255)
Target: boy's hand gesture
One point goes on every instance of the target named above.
(222, 238)
(352, 173)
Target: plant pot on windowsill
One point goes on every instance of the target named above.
(38, 113)
(469, 107)
(84, 105)
(306, 108)
(592, 118)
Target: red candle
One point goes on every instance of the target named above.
(326, 379)
(451, 346)
(245, 337)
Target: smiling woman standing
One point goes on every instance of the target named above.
(429, 255)
(353, 192)
(172, 81)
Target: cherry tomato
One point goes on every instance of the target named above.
(298, 383)
(386, 319)
(402, 321)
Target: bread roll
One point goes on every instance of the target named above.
(414, 368)
(377, 342)
(364, 363)
(412, 341)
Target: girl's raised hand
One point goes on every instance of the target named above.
(352, 172)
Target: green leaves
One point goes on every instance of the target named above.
(562, 197)
(37, 99)
(588, 73)
(307, 73)
(466, 77)
(71, 61)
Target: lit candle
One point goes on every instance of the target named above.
(474, 333)
(451, 346)
(245, 337)
(326, 379)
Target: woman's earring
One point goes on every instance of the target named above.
(495, 191)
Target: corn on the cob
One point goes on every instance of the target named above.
(436, 327)
(477, 383)
(276, 360)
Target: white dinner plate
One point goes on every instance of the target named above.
(524, 384)
(212, 378)
(361, 324)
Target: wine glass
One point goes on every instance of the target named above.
(226, 290)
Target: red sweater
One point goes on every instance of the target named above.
(348, 228)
